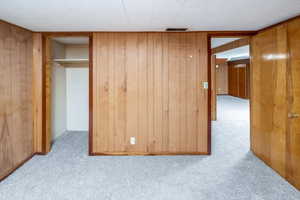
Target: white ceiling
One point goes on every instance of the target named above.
(235, 53)
(72, 40)
(215, 42)
(146, 15)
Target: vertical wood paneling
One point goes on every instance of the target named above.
(120, 95)
(238, 78)
(268, 97)
(100, 91)
(132, 90)
(16, 114)
(149, 86)
(233, 81)
(202, 110)
(191, 92)
(242, 80)
(165, 92)
(47, 95)
(275, 97)
(37, 91)
(222, 79)
(157, 86)
(182, 95)
(142, 138)
(293, 134)
(150, 92)
(174, 91)
(111, 92)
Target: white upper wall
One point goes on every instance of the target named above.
(59, 114)
(215, 42)
(77, 99)
(235, 53)
(58, 84)
(77, 51)
(146, 15)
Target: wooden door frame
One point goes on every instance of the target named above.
(46, 136)
(219, 34)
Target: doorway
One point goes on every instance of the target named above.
(230, 86)
(66, 88)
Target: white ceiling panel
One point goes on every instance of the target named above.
(146, 15)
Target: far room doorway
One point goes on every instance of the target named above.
(66, 91)
(230, 87)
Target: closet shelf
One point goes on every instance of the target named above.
(71, 61)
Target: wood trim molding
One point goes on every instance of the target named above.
(230, 34)
(209, 117)
(232, 45)
(66, 34)
(37, 82)
(242, 61)
(147, 154)
(46, 138)
(209, 50)
(18, 166)
(213, 89)
(45, 38)
(220, 61)
(90, 95)
(43, 96)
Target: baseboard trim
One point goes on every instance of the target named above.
(15, 168)
(147, 154)
(40, 153)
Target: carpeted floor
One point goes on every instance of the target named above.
(230, 173)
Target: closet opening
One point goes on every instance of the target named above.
(66, 93)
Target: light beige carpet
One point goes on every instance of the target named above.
(232, 172)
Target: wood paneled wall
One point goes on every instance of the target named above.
(213, 88)
(239, 78)
(275, 99)
(149, 86)
(37, 92)
(293, 133)
(16, 116)
(222, 79)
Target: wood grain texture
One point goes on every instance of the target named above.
(275, 94)
(233, 81)
(16, 115)
(293, 133)
(46, 95)
(37, 74)
(239, 78)
(222, 79)
(213, 88)
(269, 97)
(149, 86)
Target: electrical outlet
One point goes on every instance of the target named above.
(132, 140)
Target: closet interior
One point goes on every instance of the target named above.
(69, 93)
